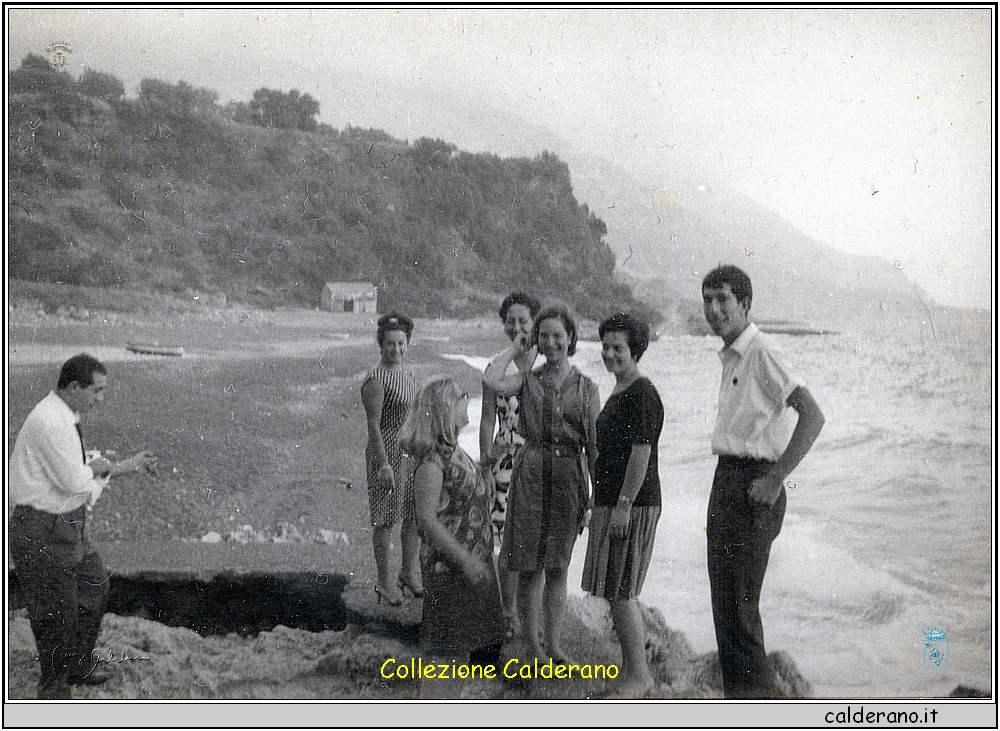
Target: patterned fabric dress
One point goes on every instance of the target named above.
(458, 616)
(391, 506)
(505, 445)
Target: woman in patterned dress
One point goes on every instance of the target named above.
(462, 602)
(386, 393)
(549, 497)
(496, 455)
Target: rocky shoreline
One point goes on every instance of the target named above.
(151, 661)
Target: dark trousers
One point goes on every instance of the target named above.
(740, 533)
(65, 584)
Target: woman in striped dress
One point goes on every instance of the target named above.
(387, 392)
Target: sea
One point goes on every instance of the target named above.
(880, 583)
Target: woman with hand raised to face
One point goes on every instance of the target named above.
(626, 494)
(386, 393)
(461, 609)
(496, 454)
(549, 500)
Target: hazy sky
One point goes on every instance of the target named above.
(870, 130)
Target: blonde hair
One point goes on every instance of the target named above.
(431, 418)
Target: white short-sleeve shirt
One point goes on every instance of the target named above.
(754, 419)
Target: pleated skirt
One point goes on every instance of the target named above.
(616, 568)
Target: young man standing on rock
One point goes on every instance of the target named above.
(61, 576)
(759, 444)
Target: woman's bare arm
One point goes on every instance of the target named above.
(373, 397)
(487, 422)
(635, 475)
(495, 377)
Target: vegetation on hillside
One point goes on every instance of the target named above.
(172, 192)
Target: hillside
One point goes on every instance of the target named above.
(172, 193)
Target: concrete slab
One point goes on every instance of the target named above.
(204, 561)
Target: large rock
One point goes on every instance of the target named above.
(678, 671)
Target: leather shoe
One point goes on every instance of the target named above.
(97, 676)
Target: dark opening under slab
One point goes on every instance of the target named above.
(242, 603)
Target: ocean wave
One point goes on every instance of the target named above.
(869, 609)
(962, 439)
(880, 608)
(867, 436)
(952, 442)
(477, 362)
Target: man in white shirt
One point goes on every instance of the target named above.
(61, 576)
(759, 443)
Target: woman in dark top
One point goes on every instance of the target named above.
(626, 493)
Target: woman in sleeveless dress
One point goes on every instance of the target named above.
(461, 608)
(549, 497)
(496, 454)
(386, 393)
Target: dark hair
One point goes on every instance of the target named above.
(80, 369)
(519, 298)
(636, 332)
(393, 321)
(561, 312)
(736, 278)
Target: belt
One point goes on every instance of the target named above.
(30, 512)
(558, 450)
(734, 462)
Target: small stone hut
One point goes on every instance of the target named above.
(349, 297)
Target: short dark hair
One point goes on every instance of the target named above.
(636, 332)
(560, 312)
(736, 278)
(519, 298)
(393, 321)
(80, 369)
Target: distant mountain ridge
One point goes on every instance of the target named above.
(668, 229)
(665, 244)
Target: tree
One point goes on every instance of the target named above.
(36, 74)
(180, 100)
(273, 108)
(101, 85)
